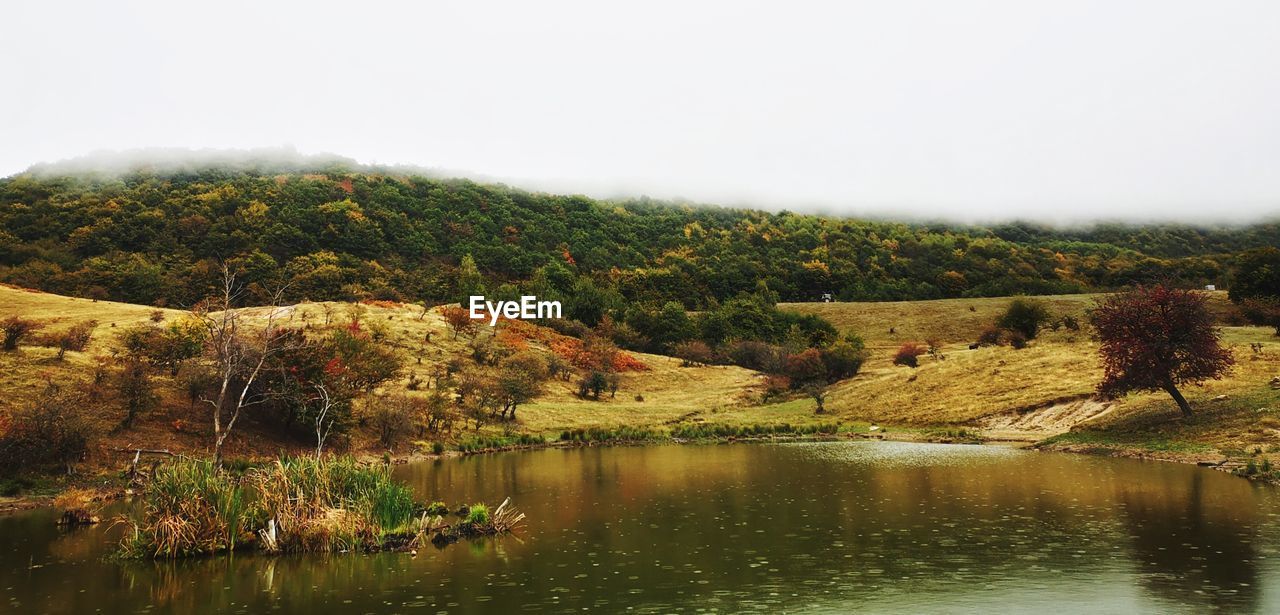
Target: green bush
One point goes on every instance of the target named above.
(1024, 316)
(478, 514)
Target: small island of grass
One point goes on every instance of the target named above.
(193, 507)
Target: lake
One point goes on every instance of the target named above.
(795, 527)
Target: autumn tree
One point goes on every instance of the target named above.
(692, 353)
(479, 394)
(1157, 338)
(521, 377)
(459, 320)
(808, 373)
(74, 338)
(15, 329)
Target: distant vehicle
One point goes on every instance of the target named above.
(1210, 287)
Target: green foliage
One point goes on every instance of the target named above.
(1024, 316)
(479, 444)
(617, 434)
(477, 514)
(189, 507)
(193, 507)
(341, 232)
(844, 358)
(706, 431)
(1256, 275)
(437, 509)
(346, 360)
(593, 384)
(137, 392)
(165, 347)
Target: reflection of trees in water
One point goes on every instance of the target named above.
(1185, 543)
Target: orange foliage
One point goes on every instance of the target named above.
(514, 340)
(570, 349)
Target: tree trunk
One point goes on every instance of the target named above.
(1177, 396)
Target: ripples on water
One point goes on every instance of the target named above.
(806, 527)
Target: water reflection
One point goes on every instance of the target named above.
(805, 527)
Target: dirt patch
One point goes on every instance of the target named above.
(1047, 419)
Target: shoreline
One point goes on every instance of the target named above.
(1216, 461)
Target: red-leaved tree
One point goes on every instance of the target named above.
(1156, 338)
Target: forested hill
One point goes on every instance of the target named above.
(346, 232)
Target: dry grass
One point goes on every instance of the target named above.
(966, 386)
(970, 384)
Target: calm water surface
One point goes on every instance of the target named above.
(822, 527)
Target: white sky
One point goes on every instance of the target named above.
(1067, 110)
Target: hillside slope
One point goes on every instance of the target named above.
(1038, 391)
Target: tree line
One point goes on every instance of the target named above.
(343, 233)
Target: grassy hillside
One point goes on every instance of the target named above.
(980, 388)
(659, 395)
(1036, 392)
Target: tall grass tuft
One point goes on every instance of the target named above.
(190, 507)
(295, 505)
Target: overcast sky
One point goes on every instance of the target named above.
(1068, 110)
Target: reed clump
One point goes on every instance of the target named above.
(191, 507)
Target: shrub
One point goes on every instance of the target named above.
(1071, 323)
(133, 384)
(76, 338)
(843, 359)
(437, 509)
(1262, 311)
(437, 448)
(49, 433)
(909, 353)
(760, 356)
(1017, 340)
(776, 386)
(991, 336)
(692, 353)
(478, 514)
(15, 329)
(392, 418)
(1024, 316)
(806, 368)
(593, 384)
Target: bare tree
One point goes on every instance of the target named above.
(322, 415)
(239, 352)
